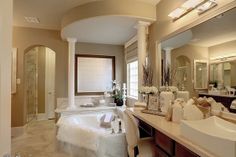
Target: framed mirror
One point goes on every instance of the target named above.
(200, 74)
(94, 74)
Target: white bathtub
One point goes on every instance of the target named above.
(84, 132)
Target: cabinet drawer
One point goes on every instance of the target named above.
(181, 151)
(160, 153)
(164, 142)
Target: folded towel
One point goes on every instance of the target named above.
(106, 120)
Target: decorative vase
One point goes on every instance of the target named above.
(118, 102)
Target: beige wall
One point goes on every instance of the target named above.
(5, 75)
(164, 28)
(224, 49)
(25, 38)
(104, 49)
(193, 53)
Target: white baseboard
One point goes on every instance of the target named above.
(17, 131)
(42, 116)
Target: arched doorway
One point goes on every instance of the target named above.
(39, 83)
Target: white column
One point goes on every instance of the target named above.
(142, 28)
(71, 73)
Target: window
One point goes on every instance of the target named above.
(132, 79)
(94, 74)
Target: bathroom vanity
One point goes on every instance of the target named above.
(168, 139)
(226, 100)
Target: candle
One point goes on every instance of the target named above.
(124, 85)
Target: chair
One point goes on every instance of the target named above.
(137, 147)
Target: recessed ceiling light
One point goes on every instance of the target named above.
(32, 19)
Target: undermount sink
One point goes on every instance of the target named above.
(214, 134)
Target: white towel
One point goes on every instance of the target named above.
(108, 117)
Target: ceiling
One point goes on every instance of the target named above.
(49, 13)
(115, 30)
(216, 31)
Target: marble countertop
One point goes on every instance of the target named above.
(170, 129)
(81, 109)
(220, 95)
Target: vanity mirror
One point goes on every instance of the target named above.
(223, 73)
(202, 55)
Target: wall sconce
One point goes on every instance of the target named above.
(201, 6)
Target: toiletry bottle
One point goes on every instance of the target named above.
(177, 115)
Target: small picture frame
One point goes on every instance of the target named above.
(153, 102)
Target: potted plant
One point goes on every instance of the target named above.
(118, 97)
(118, 94)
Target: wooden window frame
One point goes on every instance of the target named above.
(92, 56)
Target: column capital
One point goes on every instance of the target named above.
(168, 49)
(143, 23)
(71, 40)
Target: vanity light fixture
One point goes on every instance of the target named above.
(206, 6)
(201, 6)
(190, 4)
(177, 13)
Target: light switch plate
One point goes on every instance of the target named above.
(18, 81)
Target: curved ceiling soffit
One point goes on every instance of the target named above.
(128, 8)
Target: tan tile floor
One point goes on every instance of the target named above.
(38, 141)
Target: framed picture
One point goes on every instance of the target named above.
(153, 102)
(13, 70)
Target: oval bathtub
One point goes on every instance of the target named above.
(82, 136)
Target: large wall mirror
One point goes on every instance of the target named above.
(94, 74)
(223, 72)
(214, 43)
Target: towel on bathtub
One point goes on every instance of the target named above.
(106, 120)
(79, 134)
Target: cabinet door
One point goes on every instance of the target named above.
(181, 151)
(164, 142)
(160, 153)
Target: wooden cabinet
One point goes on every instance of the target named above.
(164, 142)
(145, 130)
(225, 100)
(181, 151)
(167, 147)
(160, 153)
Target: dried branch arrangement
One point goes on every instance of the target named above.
(147, 75)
